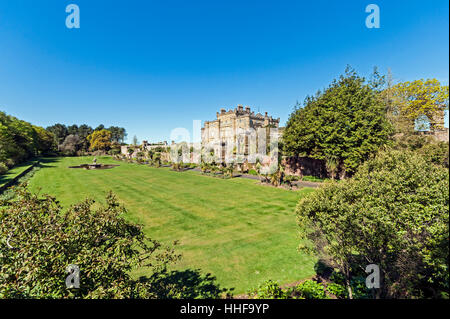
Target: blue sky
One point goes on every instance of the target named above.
(152, 66)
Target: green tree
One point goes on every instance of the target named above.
(394, 213)
(59, 132)
(83, 132)
(346, 123)
(118, 134)
(40, 239)
(45, 140)
(20, 140)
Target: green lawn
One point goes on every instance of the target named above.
(241, 232)
(10, 174)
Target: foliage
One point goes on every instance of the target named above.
(44, 140)
(337, 290)
(411, 141)
(345, 123)
(268, 290)
(277, 177)
(310, 289)
(393, 213)
(420, 100)
(118, 134)
(20, 140)
(100, 140)
(436, 153)
(289, 180)
(3, 168)
(71, 145)
(39, 240)
(60, 132)
(179, 166)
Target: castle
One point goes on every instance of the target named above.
(225, 127)
(239, 131)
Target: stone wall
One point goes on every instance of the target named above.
(301, 166)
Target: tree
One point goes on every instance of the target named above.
(45, 140)
(135, 140)
(83, 132)
(41, 240)
(100, 127)
(118, 134)
(20, 140)
(346, 123)
(394, 213)
(73, 129)
(420, 103)
(100, 140)
(59, 132)
(71, 145)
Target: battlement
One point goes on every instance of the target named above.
(240, 111)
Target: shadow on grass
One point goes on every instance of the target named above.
(46, 161)
(15, 171)
(185, 284)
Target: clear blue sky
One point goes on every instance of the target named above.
(151, 66)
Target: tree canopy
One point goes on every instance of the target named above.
(20, 140)
(61, 133)
(100, 140)
(343, 125)
(418, 103)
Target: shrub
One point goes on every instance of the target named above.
(10, 163)
(3, 168)
(253, 172)
(394, 213)
(337, 290)
(311, 289)
(359, 288)
(436, 153)
(269, 290)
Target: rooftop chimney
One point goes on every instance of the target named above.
(247, 109)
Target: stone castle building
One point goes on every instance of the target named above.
(228, 125)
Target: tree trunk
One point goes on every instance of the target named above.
(347, 283)
(349, 289)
